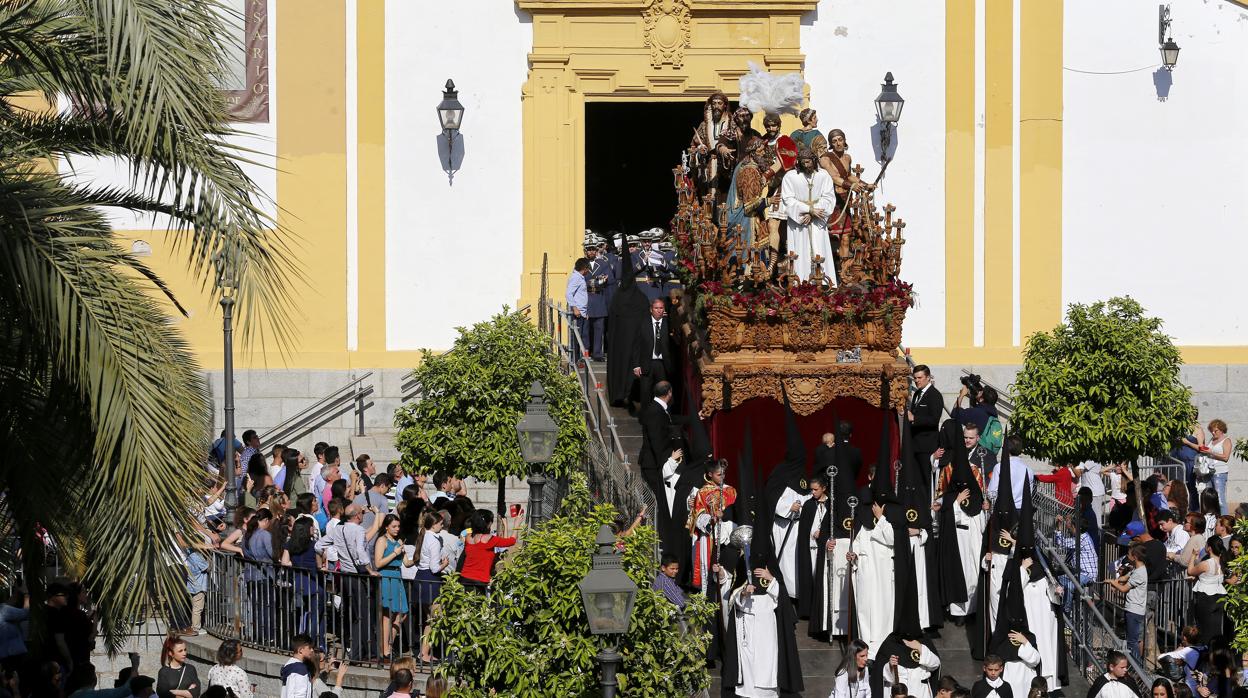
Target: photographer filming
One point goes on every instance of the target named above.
(983, 403)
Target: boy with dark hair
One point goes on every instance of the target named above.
(992, 685)
(296, 673)
(665, 581)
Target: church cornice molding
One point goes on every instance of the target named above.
(620, 6)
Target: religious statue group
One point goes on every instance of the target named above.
(786, 198)
(874, 556)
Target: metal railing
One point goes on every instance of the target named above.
(1170, 599)
(1091, 636)
(263, 604)
(611, 476)
(349, 397)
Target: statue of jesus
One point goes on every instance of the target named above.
(808, 196)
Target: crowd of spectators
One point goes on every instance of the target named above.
(336, 561)
(1160, 560)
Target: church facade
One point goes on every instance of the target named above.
(1044, 157)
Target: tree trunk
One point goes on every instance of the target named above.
(1139, 490)
(502, 504)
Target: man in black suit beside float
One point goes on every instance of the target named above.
(924, 414)
(656, 447)
(653, 358)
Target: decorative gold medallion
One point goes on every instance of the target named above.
(914, 656)
(847, 524)
(1004, 542)
(1014, 642)
(912, 515)
(667, 31)
(802, 483)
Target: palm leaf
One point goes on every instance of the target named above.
(104, 363)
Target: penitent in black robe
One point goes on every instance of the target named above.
(627, 317)
(810, 602)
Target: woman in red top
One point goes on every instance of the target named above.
(1063, 479)
(480, 549)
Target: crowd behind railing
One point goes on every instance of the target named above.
(1153, 574)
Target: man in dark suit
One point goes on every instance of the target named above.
(599, 282)
(656, 447)
(924, 414)
(653, 358)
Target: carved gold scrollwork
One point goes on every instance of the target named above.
(667, 31)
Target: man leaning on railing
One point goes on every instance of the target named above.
(1065, 538)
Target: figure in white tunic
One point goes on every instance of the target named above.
(809, 197)
(1039, 597)
(784, 533)
(873, 580)
(757, 642)
(970, 542)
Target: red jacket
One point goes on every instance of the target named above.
(1064, 485)
(479, 558)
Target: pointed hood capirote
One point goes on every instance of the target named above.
(911, 492)
(1004, 513)
(627, 318)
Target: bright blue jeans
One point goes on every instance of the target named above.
(1135, 629)
(1219, 484)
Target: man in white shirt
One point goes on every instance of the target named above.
(1020, 474)
(1089, 474)
(1176, 537)
(296, 673)
(349, 544)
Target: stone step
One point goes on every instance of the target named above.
(378, 444)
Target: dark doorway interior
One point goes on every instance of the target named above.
(630, 150)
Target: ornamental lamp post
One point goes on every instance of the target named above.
(1169, 49)
(538, 436)
(1169, 54)
(226, 261)
(450, 115)
(888, 109)
(608, 594)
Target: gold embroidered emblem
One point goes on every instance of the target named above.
(914, 655)
(912, 515)
(848, 523)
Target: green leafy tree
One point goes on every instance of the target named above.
(1103, 386)
(97, 388)
(473, 395)
(1237, 593)
(530, 637)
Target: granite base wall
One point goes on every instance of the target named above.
(1220, 391)
(263, 399)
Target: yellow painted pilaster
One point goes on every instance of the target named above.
(1040, 177)
(998, 175)
(371, 177)
(311, 177)
(959, 171)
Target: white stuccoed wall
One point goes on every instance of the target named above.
(849, 46)
(452, 251)
(259, 139)
(1154, 192)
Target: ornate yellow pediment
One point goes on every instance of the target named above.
(599, 50)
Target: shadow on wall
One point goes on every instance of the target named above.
(877, 131)
(1162, 80)
(450, 154)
